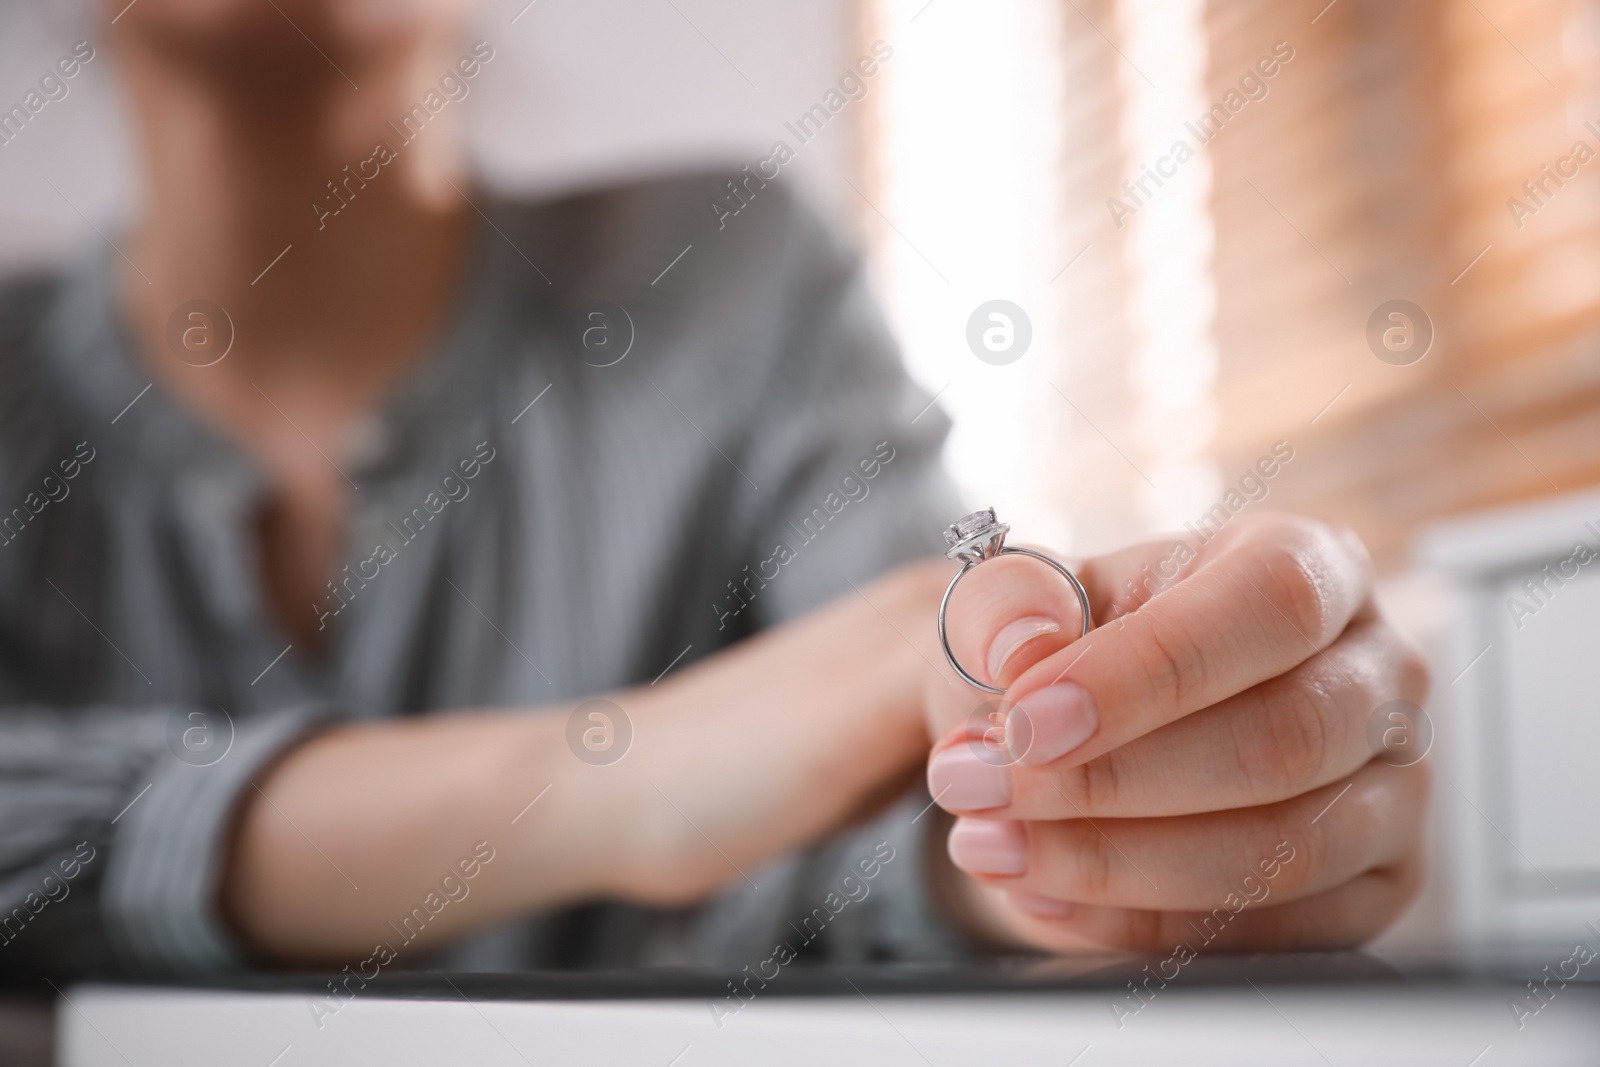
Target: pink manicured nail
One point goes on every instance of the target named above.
(980, 847)
(1041, 907)
(1048, 723)
(1013, 636)
(960, 780)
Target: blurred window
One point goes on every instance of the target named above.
(1361, 183)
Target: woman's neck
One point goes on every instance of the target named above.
(292, 203)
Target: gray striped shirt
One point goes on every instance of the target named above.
(500, 554)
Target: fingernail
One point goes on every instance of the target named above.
(1040, 907)
(960, 780)
(1048, 723)
(1013, 636)
(980, 847)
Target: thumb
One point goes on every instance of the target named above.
(1005, 615)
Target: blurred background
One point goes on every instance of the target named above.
(1359, 233)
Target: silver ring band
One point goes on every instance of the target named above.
(974, 539)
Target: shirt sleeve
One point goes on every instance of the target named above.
(847, 451)
(112, 827)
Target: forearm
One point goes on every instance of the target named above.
(744, 756)
(355, 827)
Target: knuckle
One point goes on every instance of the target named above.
(1361, 834)
(1093, 788)
(1398, 819)
(1172, 661)
(1344, 838)
(1346, 538)
(1415, 676)
(1296, 738)
(1405, 670)
(1410, 813)
(1297, 590)
(1299, 871)
(1094, 864)
(1406, 880)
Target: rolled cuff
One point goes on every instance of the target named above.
(161, 896)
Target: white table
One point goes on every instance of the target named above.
(1450, 1023)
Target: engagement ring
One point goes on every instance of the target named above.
(978, 537)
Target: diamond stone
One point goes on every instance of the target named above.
(968, 526)
(976, 537)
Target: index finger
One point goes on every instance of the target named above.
(1253, 602)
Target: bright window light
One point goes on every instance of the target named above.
(1169, 246)
(972, 125)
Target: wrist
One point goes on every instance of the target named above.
(768, 745)
(560, 814)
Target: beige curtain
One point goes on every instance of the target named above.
(1391, 154)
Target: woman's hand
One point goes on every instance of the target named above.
(1197, 769)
